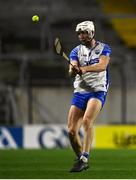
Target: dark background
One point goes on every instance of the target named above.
(28, 59)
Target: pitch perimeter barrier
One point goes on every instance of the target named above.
(55, 136)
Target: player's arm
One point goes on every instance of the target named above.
(74, 68)
(97, 67)
(102, 64)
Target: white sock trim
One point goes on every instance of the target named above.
(84, 159)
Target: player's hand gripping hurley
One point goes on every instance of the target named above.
(59, 50)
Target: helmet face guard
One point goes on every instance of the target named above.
(86, 26)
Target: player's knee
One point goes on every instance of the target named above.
(71, 131)
(87, 123)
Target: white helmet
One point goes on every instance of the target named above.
(86, 26)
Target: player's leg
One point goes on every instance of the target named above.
(74, 122)
(93, 108)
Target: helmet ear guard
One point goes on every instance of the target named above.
(86, 26)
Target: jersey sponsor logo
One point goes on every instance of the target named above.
(91, 61)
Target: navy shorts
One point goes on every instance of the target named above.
(80, 99)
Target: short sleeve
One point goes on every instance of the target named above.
(74, 54)
(106, 50)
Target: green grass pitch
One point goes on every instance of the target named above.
(55, 164)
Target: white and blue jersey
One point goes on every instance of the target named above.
(90, 81)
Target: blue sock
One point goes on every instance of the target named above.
(86, 154)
